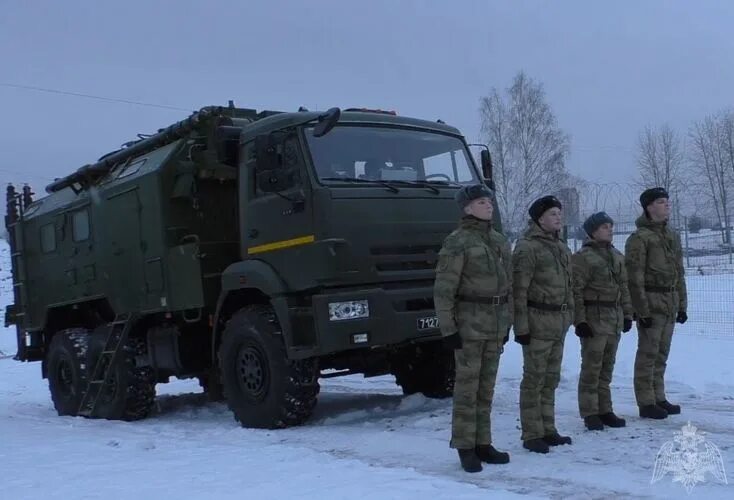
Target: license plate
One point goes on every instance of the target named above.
(429, 323)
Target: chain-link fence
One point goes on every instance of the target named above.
(708, 256)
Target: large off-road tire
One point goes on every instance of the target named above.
(428, 368)
(66, 369)
(263, 388)
(130, 394)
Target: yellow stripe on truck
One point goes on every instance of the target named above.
(279, 245)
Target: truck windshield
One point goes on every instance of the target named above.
(371, 153)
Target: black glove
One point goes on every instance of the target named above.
(645, 322)
(507, 338)
(453, 341)
(627, 325)
(682, 317)
(584, 331)
(523, 339)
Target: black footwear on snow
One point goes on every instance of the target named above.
(556, 439)
(653, 411)
(536, 445)
(488, 454)
(612, 420)
(670, 408)
(593, 423)
(469, 460)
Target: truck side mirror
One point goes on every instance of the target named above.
(326, 122)
(486, 161)
(228, 145)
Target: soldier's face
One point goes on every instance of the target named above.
(481, 208)
(604, 233)
(551, 220)
(659, 209)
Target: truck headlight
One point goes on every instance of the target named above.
(353, 309)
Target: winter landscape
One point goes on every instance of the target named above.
(366, 440)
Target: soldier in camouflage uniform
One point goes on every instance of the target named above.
(472, 297)
(543, 298)
(603, 310)
(654, 260)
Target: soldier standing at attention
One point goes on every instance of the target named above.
(543, 298)
(472, 297)
(654, 260)
(603, 310)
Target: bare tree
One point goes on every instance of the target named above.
(528, 148)
(660, 158)
(712, 159)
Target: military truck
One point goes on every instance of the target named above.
(256, 251)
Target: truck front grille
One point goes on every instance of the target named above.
(405, 258)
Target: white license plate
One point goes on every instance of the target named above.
(429, 323)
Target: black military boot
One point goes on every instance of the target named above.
(488, 454)
(670, 408)
(556, 439)
(612, 420)
(593, 423)
(653, 411)
(536, 445)
(469, 460)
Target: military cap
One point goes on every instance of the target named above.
(541, 205)
(467, 194)
(650, 195)
(594, 221)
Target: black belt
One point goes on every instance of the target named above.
(493, 301)
(661, 289)
(548, 307)
(601, 303)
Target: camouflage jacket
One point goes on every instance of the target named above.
(475, 261)
(541, 273)
(599, 274)
(654, 258)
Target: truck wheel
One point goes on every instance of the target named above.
(263, 388)
(130, 393)
(65, 368)
(428, 368)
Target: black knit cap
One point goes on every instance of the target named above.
(594, 221)
(541, 205)
(650, 195)
(467, 194)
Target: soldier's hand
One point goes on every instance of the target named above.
(645, 322)
(453, 341)
(523, 339)
(584, 331)
(682, 317)
(627, 325)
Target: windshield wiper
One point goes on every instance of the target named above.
(424, 184)
(363, 181)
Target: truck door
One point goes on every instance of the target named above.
(276, 224)
(125, 251)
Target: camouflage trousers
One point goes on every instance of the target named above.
(653, 347)
(541, 374)
(476, 372)
(598, 354)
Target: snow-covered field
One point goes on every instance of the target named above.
(365, 440)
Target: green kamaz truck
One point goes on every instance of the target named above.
(256, 251)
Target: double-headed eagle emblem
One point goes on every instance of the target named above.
(689, 457)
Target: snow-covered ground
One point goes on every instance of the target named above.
(365, 440)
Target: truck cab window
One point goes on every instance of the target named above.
(80, 225)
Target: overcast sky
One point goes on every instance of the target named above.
(609, 68)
